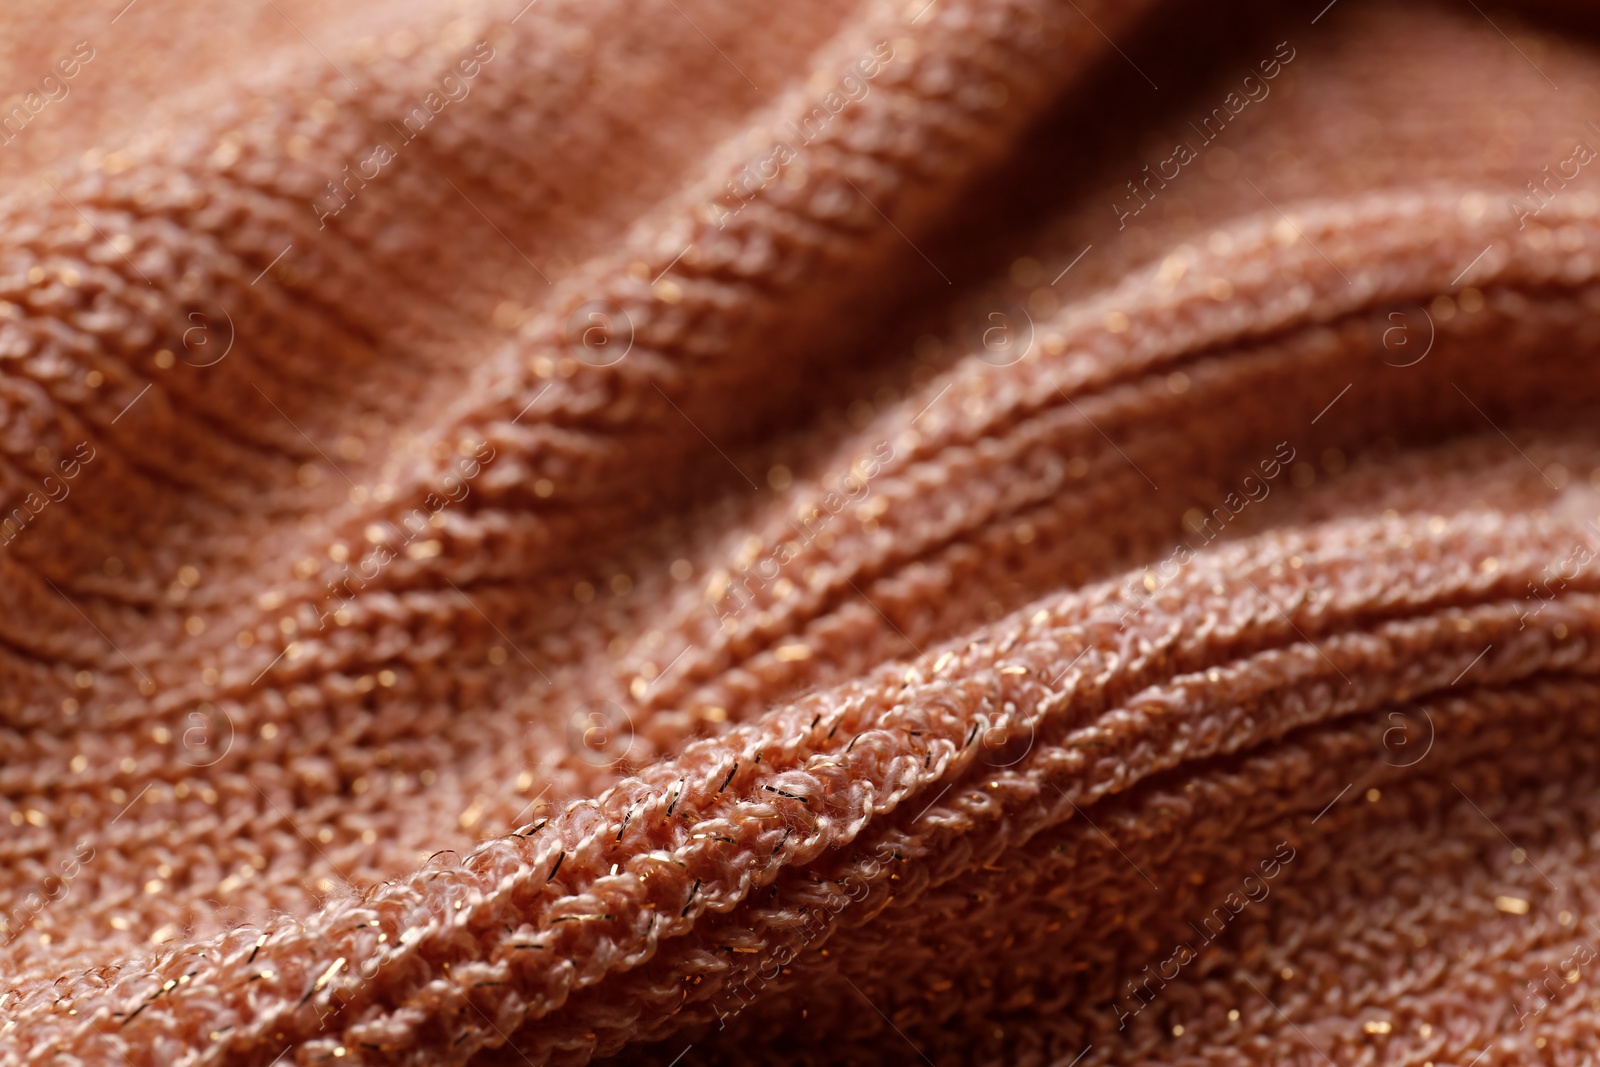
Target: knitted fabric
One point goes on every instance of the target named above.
(984, 531)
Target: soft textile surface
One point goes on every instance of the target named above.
(972, 531)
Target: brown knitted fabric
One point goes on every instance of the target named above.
(983, 531)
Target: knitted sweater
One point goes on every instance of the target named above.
(972, 531)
